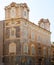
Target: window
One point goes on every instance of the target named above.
(42, 25)
(39, 39)
(25, 33)
(12, 48)
(17, 31)
(7, 32)
(32, 49)
(49, 51)
(44, 51)
(32, 36)
(24, 13)
(39, 52)
(12, 32)
(39, 49)
(12, 12)
(25, 48)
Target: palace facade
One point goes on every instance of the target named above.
(21, 41)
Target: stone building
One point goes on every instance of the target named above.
(1, 41)
(52, 54)
(23, 42)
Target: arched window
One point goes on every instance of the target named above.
(12, 32)
(25, 48)
(32, 49)
(12, 48)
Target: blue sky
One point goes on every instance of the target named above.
(38, 9)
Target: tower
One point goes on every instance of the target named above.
(17, 11)
(44, 23)
(14, 14)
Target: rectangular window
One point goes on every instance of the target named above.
(18, 31)
(39, 50)
(32, 36)
(7, 32)
(38, 39)
(24, 13)
(25, 48)
(12, 32)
